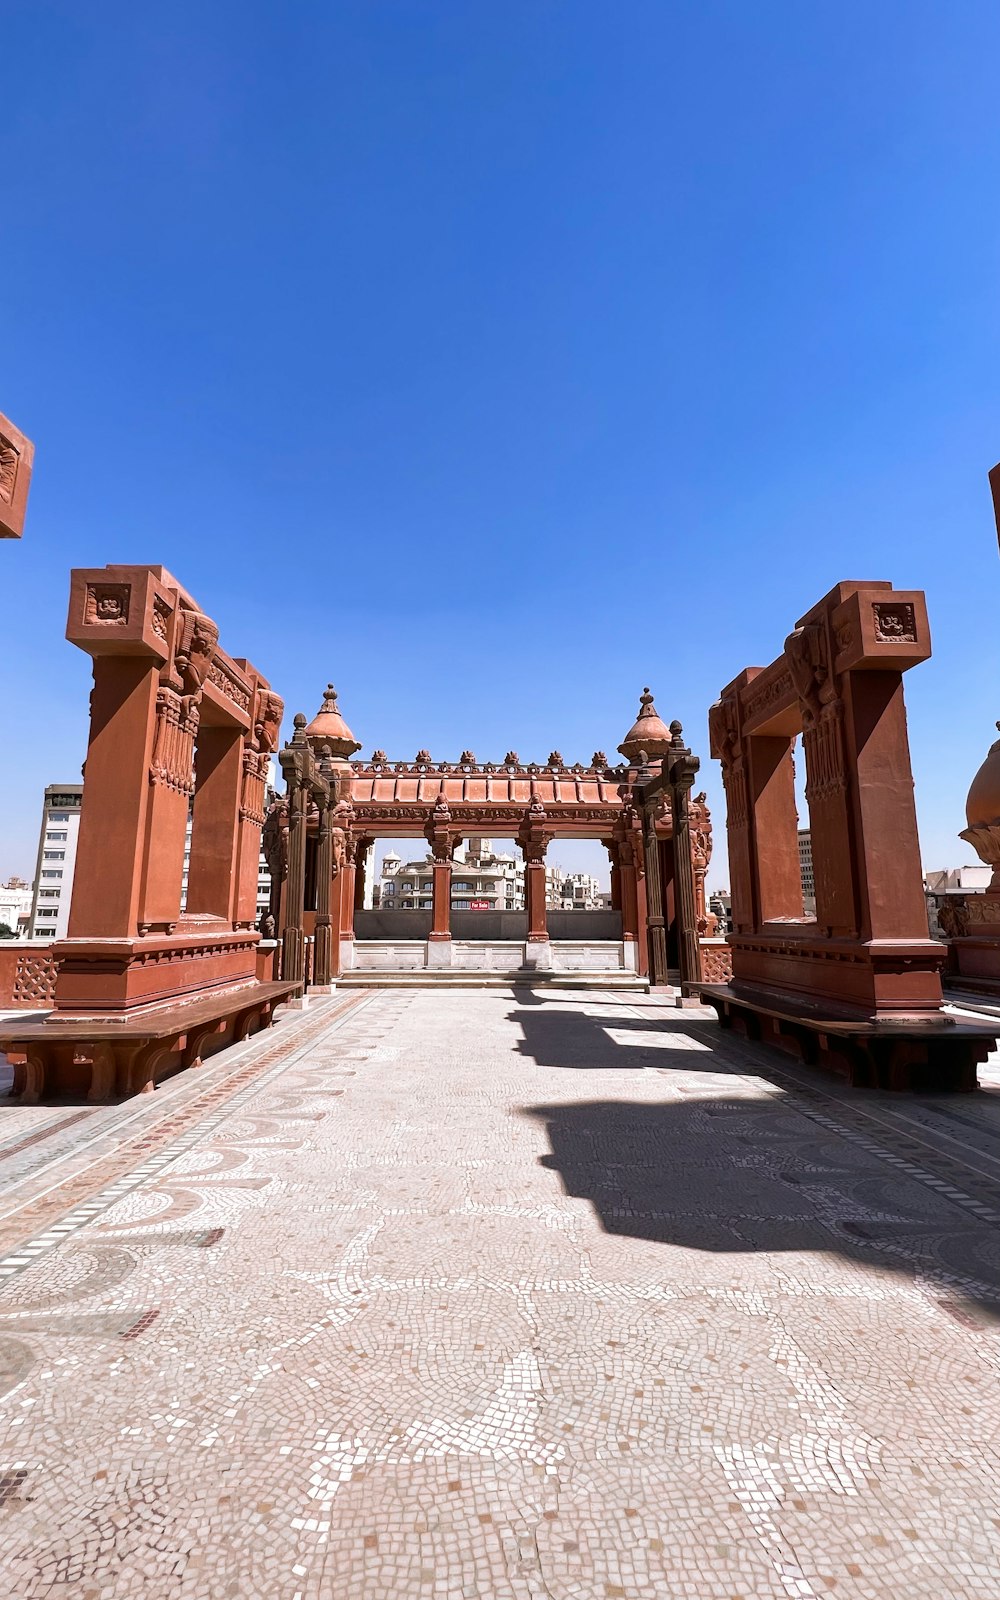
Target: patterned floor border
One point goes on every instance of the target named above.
(205, 1121)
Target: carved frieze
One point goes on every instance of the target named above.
(227, 684)
(760, 697)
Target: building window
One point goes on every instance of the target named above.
(48, 911)
(53, 855)
(407, 905)
(58, 816)
(59, 837)
(48, 894)
(52, 872)
(407, 888)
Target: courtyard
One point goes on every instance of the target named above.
(507, 1292)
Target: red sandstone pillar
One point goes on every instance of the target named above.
(347, 886)
(323, 956)
(534, 876)
(107, 883)
(890, 876)
(360, 869)
(657, 940)
(614, 857)
(441, 915)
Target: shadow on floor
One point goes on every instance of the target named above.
(749, 1175)
(569, 1037)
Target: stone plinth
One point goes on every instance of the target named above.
(113, 978)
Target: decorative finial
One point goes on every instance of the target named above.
(648, 733)
(299, 719)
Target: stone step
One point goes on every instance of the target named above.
(455, 978)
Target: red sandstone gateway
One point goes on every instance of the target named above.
(859, 986)
(657, 836)
(175, 723)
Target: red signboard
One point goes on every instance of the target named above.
(479, 905)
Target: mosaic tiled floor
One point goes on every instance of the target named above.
(501, 1294)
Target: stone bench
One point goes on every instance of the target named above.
(919, 1054)
(101, 1061)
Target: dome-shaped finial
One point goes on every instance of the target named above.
(299, 719)
(329, 728)
(648, 734)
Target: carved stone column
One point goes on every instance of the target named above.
(534, 838)
(293, 936)
(658, 970)
(348, 881)
(323, 952)
(534, 872)
(611, 846)
(681, 769)
(260, 744)
(361, 853)
(441, 914)
(440, 837)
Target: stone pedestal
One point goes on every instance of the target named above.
(439, 951)
(538, 955)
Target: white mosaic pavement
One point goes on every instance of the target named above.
(514, 1295)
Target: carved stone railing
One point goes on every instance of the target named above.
(716, 960)
(27, 976)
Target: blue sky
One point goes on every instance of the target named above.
(496, 360)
